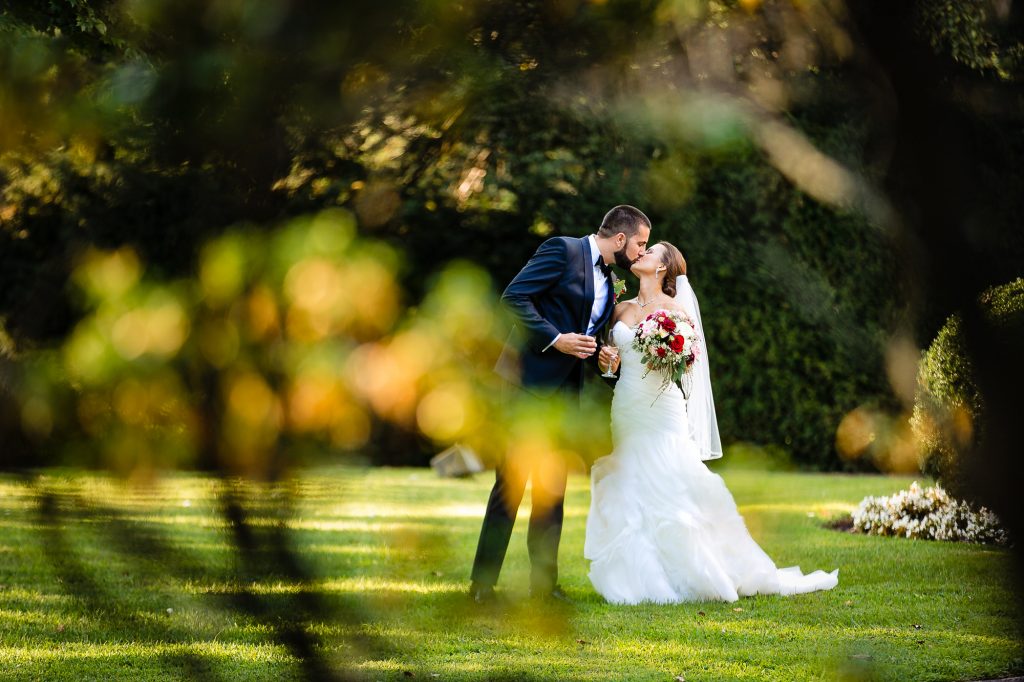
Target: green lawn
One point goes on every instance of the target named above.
(122, 581)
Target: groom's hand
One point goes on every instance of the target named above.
(576, 344)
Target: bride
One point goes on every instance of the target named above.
(662, 527)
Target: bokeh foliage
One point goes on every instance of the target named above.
(290, 346)
(751, 132)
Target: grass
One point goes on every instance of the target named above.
(144, 582)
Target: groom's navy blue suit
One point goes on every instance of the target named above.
(553, 294)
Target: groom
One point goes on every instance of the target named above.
(561, 299)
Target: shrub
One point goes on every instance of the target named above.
(929, 514)
(948, 406)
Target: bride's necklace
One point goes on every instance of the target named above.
(643, 305)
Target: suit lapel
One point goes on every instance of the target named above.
(588, 284)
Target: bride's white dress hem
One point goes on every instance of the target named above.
(663, 528)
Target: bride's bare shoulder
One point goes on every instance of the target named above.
(627, 312)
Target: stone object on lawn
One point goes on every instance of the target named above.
(458, 460)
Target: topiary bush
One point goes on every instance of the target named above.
(948, 407)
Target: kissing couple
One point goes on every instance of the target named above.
(662, 528)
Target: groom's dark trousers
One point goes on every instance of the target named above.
(547, 470)
(552, 294)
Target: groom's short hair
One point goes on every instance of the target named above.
(625, 219)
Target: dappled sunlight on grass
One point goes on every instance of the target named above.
(413, 511)
(14, 593)
(376, 510)
(390, 549)
(20, 618)
(357, 585)
(363, 526)
(92, 650)
(803, 509)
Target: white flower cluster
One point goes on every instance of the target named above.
(930, 514)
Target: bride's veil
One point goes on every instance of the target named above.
(700, 406)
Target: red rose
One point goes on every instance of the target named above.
(677, 344)
(660, 351)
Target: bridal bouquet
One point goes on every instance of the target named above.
(667, 342)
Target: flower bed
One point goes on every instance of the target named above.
(930, 514)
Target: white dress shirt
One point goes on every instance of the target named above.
(600, 291)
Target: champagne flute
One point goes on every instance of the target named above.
(609, 341)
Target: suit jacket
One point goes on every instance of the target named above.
(553, 294)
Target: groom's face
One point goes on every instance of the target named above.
(633, 248)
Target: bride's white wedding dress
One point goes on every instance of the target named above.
(662, 527)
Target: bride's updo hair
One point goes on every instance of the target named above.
(675, 265)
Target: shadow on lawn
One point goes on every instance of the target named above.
(309, 621)
(261, 554)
